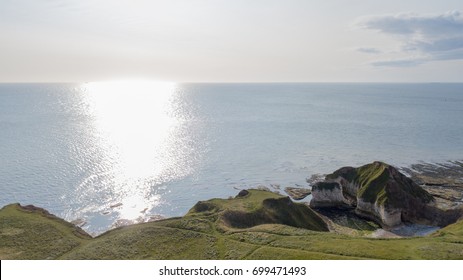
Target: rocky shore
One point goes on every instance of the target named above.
(379, 192)
(355, 213)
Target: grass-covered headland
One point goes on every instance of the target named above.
(350, 206)
(256, 224)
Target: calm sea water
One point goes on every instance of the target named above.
(110, 153)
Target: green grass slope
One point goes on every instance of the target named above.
(255, 207)
(207, 233)
(380, 182)
(376, 181)
(33, 233)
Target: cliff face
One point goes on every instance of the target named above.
(377, 191)
(328, 194)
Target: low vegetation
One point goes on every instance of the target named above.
(254, 225)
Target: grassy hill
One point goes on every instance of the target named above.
(254, 225)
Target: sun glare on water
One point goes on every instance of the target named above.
(135, 127)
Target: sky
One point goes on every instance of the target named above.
(231, 40)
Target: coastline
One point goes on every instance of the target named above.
(57, 154)
(256, 224)
(442, 180)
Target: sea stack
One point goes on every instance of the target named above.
(377, 191)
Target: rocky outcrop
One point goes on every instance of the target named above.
(328, 194)
(297, 193)
(377, 191)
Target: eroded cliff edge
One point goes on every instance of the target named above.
(255, 224)
(380, 192)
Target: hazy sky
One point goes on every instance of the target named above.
(232, 40)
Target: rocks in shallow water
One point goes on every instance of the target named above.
(153, 218)
(79, 222)
(122, 223)
(451, 194)
(116, 205)
(297, 193)
(431, 174)
(127, 222)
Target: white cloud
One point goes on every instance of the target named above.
(423, 37)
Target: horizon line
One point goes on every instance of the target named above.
(233, 82)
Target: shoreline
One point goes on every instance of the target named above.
(254, 224)
(442, 180)
(203, 234)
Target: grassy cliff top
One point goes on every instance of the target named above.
(205, 233)
(255, 207)
(33, 233)
(382, 183)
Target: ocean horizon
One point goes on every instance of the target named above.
(109, 154)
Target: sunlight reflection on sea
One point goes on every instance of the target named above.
(136, 131)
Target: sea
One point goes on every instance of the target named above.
(106, 154)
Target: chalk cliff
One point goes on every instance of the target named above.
(377, 191)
